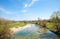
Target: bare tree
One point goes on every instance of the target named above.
(55, 18)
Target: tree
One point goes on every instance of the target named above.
(55, 18)
(4, 29)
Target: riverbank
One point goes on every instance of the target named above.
(17, 29)
(18, 24)
(14, 30)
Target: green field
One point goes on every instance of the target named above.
(18, 24)
(51, 26)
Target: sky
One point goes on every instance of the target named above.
(28, 9)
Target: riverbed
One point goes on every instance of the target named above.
(33, 31)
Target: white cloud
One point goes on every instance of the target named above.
(30, 4)
(26, 5)
(33, 1)
(5, 11)
(10, 12)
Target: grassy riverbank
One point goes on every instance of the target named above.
(18, 24)
(51, 26)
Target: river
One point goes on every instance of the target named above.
(33, 31)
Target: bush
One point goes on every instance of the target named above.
(4, 29)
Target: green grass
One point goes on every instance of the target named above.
(51, 26)
(18, 24)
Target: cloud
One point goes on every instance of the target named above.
(5, 11)
(33, 1)
(26, 5)
(30, 4)
(11, 12)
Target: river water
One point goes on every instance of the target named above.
(34, 32)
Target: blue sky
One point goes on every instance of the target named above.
(28, 9)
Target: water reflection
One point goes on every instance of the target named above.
(34, 32)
